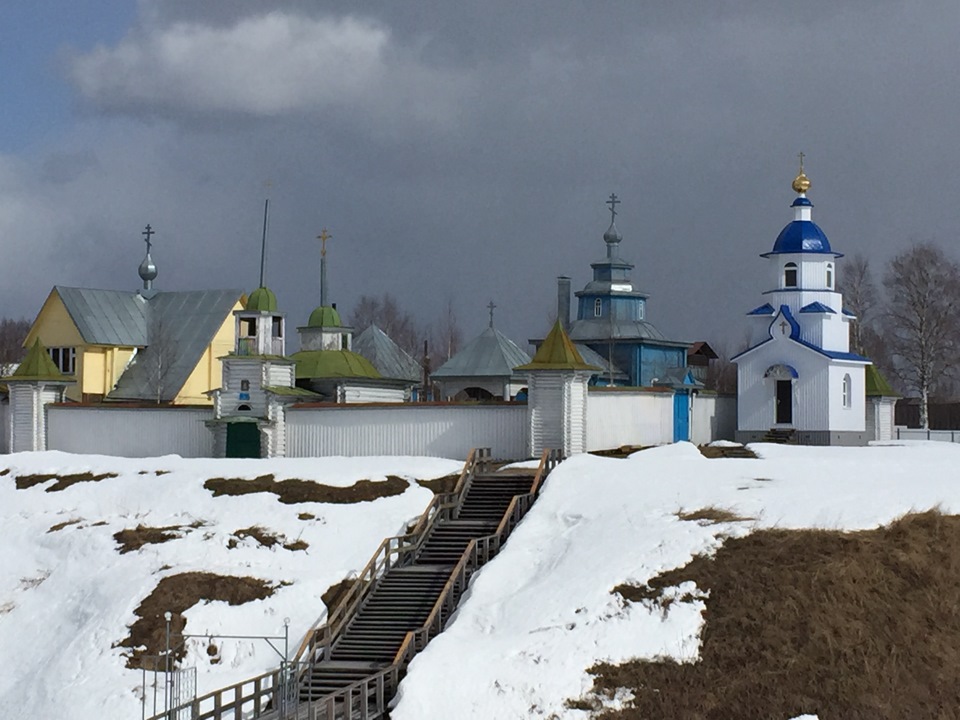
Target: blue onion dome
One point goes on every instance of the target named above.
(262, 299)
(324, 316)
(802, 236)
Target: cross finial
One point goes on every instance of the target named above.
(491, 307)
(613, 202)
(148, 233)
(323, 237)
(801, 162)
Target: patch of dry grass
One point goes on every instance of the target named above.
(713, 452)
(711, 515)
(5, 471)
(621, 452)
(176, 594)
(441, 485)
(62, 525)
(336, 592)
(266, 538)
(849, 626)
(296, 491)
(132, 539)
(63, 481)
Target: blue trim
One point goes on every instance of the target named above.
(817, 307)
(848, 313)
(788, 316)
(793, 371)
(802, 202)
(765, 309)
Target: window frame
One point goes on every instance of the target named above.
(788, 268)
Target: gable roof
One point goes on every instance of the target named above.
(490, 354)
(557, 353)
(876, 384)
(106, 317)
(795, 337)
(390, 360)
(178, 327)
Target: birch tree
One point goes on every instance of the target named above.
(860, 297)
(12, 334)
(922, 331)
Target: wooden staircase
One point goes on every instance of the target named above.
(350, 667)
(781, 436)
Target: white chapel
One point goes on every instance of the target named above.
(798, 379)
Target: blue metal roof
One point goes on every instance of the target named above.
(817, 307)
(765, 309)
(848, 313)
(802, 236)
(802, 202)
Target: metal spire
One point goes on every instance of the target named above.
(323, 237)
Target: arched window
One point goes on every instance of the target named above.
(243, 408)
(830, 276)
(847, 394)
(597, 307)
(790, 275)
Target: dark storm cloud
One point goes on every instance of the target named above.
(471, 156)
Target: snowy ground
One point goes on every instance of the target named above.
(542, 612)
(67, 596)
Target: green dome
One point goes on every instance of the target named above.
(313, 364)
(262, 299)
(324, 316)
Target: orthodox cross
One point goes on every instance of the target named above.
(491, 307)
(783, 327)
(801, 163)
(323, 237)
(147, 234)
(613, 202)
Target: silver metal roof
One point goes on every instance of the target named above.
(601, 329)
(386, 356)
(178, 327)
(490, 354)
(107, 317)
(592, 357)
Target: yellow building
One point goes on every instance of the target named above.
(148, 346)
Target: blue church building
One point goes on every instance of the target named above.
(612, 330)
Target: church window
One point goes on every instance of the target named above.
(640, 310)
(277, 327)
(597, 307)
(244, 408)
(847, 395)
(248, 327)
(65, 358)
(830, 276)
(790, 275)
(244, 385)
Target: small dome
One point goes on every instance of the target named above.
(801, 183)
(324, 316)
(802, 236)
(317, 364)
(262, 299)
(611, 235)
(147, 270)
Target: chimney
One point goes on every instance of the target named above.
(563, 301)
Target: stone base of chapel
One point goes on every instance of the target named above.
(847, 438)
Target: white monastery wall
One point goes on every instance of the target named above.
(628, 417)
(713, 417)
(362, 394)
(415, 429)
(4, 428)
(130, 432)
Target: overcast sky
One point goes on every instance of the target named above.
(464, 150)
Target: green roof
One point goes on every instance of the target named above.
(876, 384)
(557, 353)
(333, 364)
(324, 316)
(38, 365)
(290, 391)
(262, 299)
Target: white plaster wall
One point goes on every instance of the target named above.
(130, 432)
(409, 429)
(627, 417)
(713, 417)
(851, 418)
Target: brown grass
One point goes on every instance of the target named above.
(850, 626)
(63, 481)
(5, 471)
(441, 485)
(266, 539)
(714, 453)
(62, 525)
(621, 452)
(300, 491)
(336, 592)
(135, 538)
(176, 594)
(711, 515)
(306, 516)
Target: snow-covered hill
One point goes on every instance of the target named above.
(68, 593)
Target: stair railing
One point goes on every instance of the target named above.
(393, 551)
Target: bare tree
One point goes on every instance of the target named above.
(385, 312)
(922, 330)
(448, 336)
(860, 297)
(162, 354)
(12, 334)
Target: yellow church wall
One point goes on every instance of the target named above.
(55, 328)
(92, 370)
(207, 375)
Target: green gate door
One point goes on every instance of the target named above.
(243, 440)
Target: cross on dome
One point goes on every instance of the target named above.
(148, 233)
(801, 183)
(491, 307)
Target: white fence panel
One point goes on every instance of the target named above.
(435, 430)
(4, 427)
(130, 432)
(903, 433)
(714, 418)
(618, 417)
